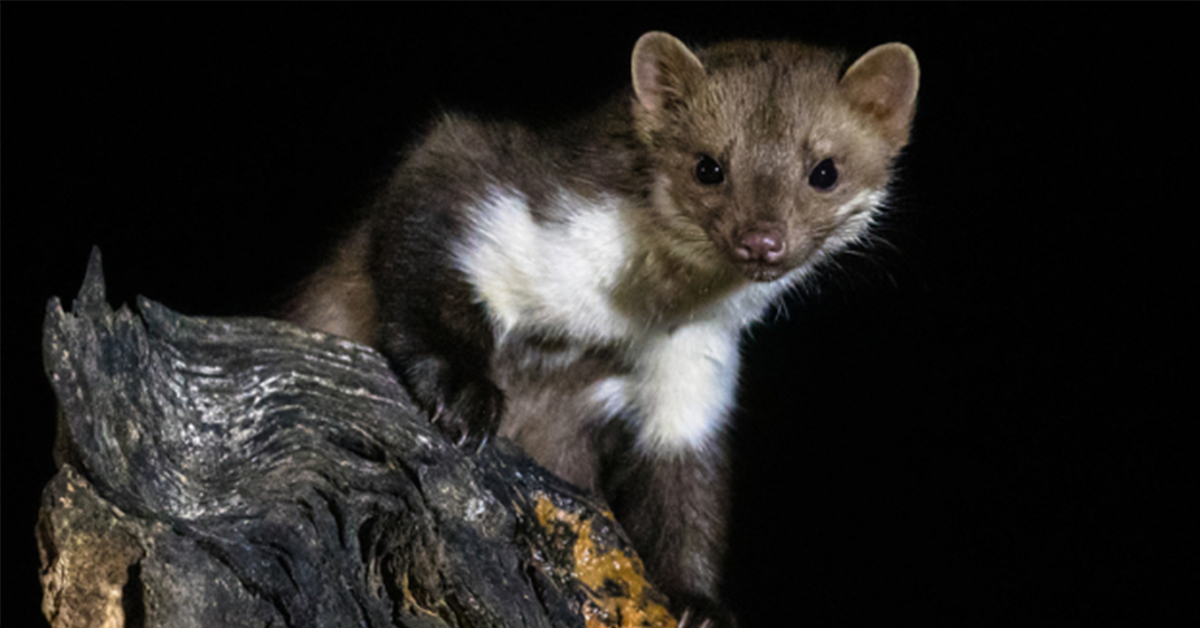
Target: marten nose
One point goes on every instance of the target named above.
(761, 246)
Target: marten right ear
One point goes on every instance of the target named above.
(883, 84)
(664, 71)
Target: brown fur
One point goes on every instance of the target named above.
(340, 298)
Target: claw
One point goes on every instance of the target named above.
(685, 620)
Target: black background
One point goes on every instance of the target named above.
(982, 424)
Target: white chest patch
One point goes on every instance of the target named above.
(685, 386)
(559, 277)
(554, 276)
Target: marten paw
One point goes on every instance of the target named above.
(473, 417)
(466, 410)
(705, 614)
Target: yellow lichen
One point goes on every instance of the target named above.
(632, 606)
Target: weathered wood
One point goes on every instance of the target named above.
(244, 472)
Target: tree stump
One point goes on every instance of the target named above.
(245, 472)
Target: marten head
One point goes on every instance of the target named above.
(767, 157)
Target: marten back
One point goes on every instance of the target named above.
(339, 298)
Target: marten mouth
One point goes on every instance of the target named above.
(760, 271)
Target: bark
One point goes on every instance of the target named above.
(244, 472)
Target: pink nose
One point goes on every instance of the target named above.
(761, 246)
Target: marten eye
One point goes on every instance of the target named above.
(708, 171)
(824, 175)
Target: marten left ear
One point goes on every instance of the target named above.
(664, 71)
(883, 84)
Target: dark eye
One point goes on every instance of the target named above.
(824, 175)
(708, 171)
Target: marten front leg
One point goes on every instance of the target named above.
(435, 333)
(674, 508)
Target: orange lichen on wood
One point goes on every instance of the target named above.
(619, 596)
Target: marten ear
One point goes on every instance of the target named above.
(664, 71)
(883, 84)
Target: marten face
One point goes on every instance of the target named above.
(765, 161)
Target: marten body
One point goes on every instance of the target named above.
(582, 290)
